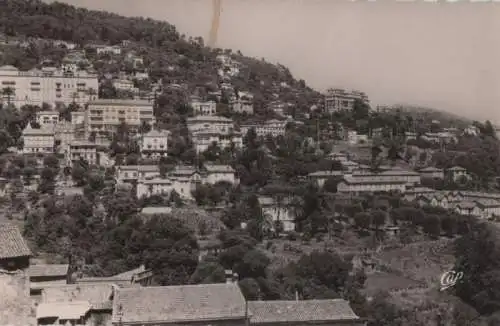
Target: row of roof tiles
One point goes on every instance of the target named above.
(184, 303)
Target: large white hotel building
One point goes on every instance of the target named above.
(49, 85)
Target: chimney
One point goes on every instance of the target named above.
(229, 276)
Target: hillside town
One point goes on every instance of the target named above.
(152, 180)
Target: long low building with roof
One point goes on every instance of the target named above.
(184, 304)
(365, 184)
(185, 179)
(299, 312)
(222, 304)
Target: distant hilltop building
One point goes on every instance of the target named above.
(340, 99)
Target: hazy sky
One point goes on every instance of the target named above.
(440, 55)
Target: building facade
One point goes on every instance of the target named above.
(38, 140)
(48, 85)
(340, 99)
(203, 107)
(154, 144)
(273, 127)
(47, 119)
(82, 150)
(106, 115)
(221, 124)
(203, 139)
(134, 173)
(185, 179)
(123, 85)
(370, 184)
(220, 173)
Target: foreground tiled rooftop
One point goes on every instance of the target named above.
(179, 303)
(12, 243)
(98, 295)
(336, 310)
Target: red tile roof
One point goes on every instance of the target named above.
(12, 244)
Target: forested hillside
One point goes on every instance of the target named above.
(159, 42)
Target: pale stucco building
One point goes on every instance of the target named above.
(47, 119)
(184, 180)
(81, 150)
(273, 127)
(38, 140)
(340, 99)
(134, 173)
(154, 144)
(49, 85)
(203, 107)
(221, 124)
(106, 115)
(203, 139)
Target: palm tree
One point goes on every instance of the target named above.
(9, 92)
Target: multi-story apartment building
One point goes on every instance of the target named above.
(81, 150)
(106, 115)
(340, 99)
(154, 144)
(273, 127)
(134, 173)
(48, 85)
(38, 140)
(203, 107)
(221, 124)
(202, 139)
(47, 119)
(65, 132)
